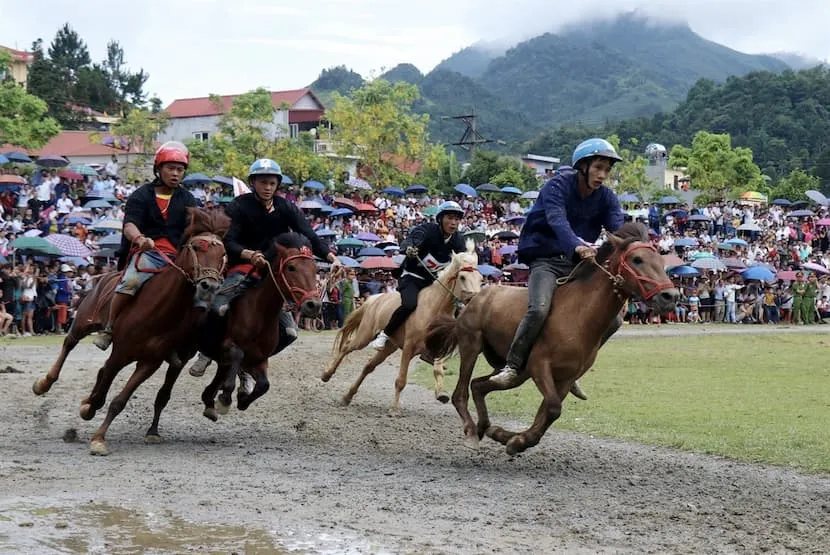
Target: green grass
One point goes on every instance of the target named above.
(752, 398)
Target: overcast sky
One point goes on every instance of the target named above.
(197, 47)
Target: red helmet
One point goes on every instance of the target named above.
(171, 151)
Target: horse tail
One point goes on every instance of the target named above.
(442, 336)
(349, 328)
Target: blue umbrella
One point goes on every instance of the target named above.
(686, 242)
(3, 259)
(532, 195)
(196, 179)
(736, 241)
(52, 161)
(669, 200)
(488, 188)
(508, 249)
(326, 208)
(758, 272)
(518, 220)
(396, 191)
(112, 240)
(287, 180)
(71, 219)
(340, 212)
(511, 190)
(314, 185)
(325, 233)
(802, 213)
(371, 251)
(684, 271)
(628, 197)
(465, 189)
(781, 202)
(415, 189)
(4, 160)
(17, 157)
(348, 262)
(221, 179)
(98, 204)
(488, 271)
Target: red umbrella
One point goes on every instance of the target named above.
(69, 174)
(378, 263)
(16, 179)
(366, 207)
(342, 201)
(672, 260)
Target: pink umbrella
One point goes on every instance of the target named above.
(378, 263)
(823, 221)
(69, 246)
(815, 267)
(786, 275)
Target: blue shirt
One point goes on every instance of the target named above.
(560, 219)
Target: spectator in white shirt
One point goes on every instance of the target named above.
(64, 205)
(112, 167)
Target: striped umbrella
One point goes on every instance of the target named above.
(69, 246)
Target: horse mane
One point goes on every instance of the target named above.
(203, 220)
(459, 260)
(288, 240)
(630, 232)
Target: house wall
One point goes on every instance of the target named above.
(182, 129)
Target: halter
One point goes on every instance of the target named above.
(451, 281)
(298, 295)
(201, 272)
(623, 267)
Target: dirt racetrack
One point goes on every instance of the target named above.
(297, 471)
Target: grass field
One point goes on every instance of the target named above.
(752, 398)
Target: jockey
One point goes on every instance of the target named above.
(430, 244)
(257, 218)
(155, 218)
(567, 217)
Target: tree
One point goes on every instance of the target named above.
(795, 185)
(441, 170)
(715, 167)
(127, 86)
(630, 174)
(378, 124)
(23, 120)
(68, 50)
(486, 165)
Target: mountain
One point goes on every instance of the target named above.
(407, 73)
(471, 61)
(798, 61)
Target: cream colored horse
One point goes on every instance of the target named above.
(459, 280)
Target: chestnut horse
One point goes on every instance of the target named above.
(160, 321)
(583, 310)
(243, 340)
(460, 280)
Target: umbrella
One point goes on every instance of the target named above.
(817, 197)
(68, 245)
(686, 271)
(672, 260)
(709, 264)
(52, 161)
(3, 259)
(758, 273)
(734, 263)
(395, 191)
(518, 220)
(399, 258)
(698, 218)
(736, 241)
(75, 218)
(430, 211)
(371, 251)
(32, 233)
(97, 204)
(36, 245)
(686, 242)
(108, 223)
(749, 227)
(14, 179)
(310, 205)
(222, 180)
(3, 159)
(754, 195)
(389, 248)
(378, 263)
(801, 213)
(76, 261)
(799, 204)
(326, 233)
(704, 254)
(508, 249)
(506, 235)
(83, 169)
(348, 262)
(416, 189)
(786, 275)
(314, 185)
(532, 195)
(628, 197)
(465, 189)
(337, 212)
(287, 180)
(17, 157)
(669, 200)
(366, 207)
(350, 204)
(823, 221)
(196, 179)
(487, 271)
(518, 266)
(488, 188)
(358, 183)
(366, 236)
(350, 242)
(475, 235)
(69, 174)
(781, 202)
(510, 190)
(815, 267)
(112, 240)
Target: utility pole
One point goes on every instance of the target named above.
(471, 138)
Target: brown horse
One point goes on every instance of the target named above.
(459, 280)
(160, 321)
(249, 335)
(583, 310)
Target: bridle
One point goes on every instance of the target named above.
(622, 268)
(199, 273)
(297, 295)
(451, 282)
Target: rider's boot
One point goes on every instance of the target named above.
(104, 339)
(379, 342)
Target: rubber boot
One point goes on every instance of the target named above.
(104, 339)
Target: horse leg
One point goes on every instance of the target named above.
(143, 370)
(103, 381)
(44, 384)
(234, 370)
(549, 411)
(162, 398)
(400, 382)
(480, 387)
(261, 386)
(376, 359)
(209, 393)
(335, 363)
(469, 347)
(438, 373)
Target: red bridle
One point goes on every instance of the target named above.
(623, 267)
(297, 295)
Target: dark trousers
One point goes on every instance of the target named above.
(409, 287)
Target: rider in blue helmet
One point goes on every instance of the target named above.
(429, 244)
(565, 220)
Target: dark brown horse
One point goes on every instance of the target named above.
(245, 339)
(583, 310)
(160, 321)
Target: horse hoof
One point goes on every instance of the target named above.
(40, 386)
(443, 397)
(152, 439)
(345, 401)
(221, 407)
(98, 448)
(86, 412)
(325, 377)
(471, 442)
(210, 414)
(395, 412)
(515, 445)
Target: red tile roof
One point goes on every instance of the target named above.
(196, 107)
(72, 143)
(19, 55)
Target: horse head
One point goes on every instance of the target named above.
(294, 273)
(637, 267)
(463, 275)
(202, 258)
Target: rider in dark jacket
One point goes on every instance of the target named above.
(431, 245)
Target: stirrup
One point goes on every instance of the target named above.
(104, 340)
(505, 376)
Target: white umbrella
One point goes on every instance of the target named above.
(709, 264)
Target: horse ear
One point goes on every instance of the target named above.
(614, 240)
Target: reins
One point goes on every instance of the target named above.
(458, 301)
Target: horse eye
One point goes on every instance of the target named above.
(291, 268)
(463, 278)
(638, 260)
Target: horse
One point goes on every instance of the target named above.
(150, 331)
(249, 334)
(459, 281)
(583, 311)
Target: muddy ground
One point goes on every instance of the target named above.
(298, 472)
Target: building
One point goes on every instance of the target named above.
(82, 147)
(542, 165)
(198, 118)
(20, 64)
(658, 172)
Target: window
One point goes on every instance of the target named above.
(294, 130)
(201, 136)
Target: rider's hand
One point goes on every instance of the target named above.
(146, 244)
(258, 259)
(412, 252)
(585, 251)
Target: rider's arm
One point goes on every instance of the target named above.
(232, 245)
(415, 238)
(557, 217)
(614, 217)
(133, 217)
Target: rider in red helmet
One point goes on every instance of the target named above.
(155, 217)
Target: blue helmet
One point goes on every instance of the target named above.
(594, 147)
(449, 207)
(264, 166)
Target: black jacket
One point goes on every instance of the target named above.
(429, 239)
(254, 228)
(142, 211)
